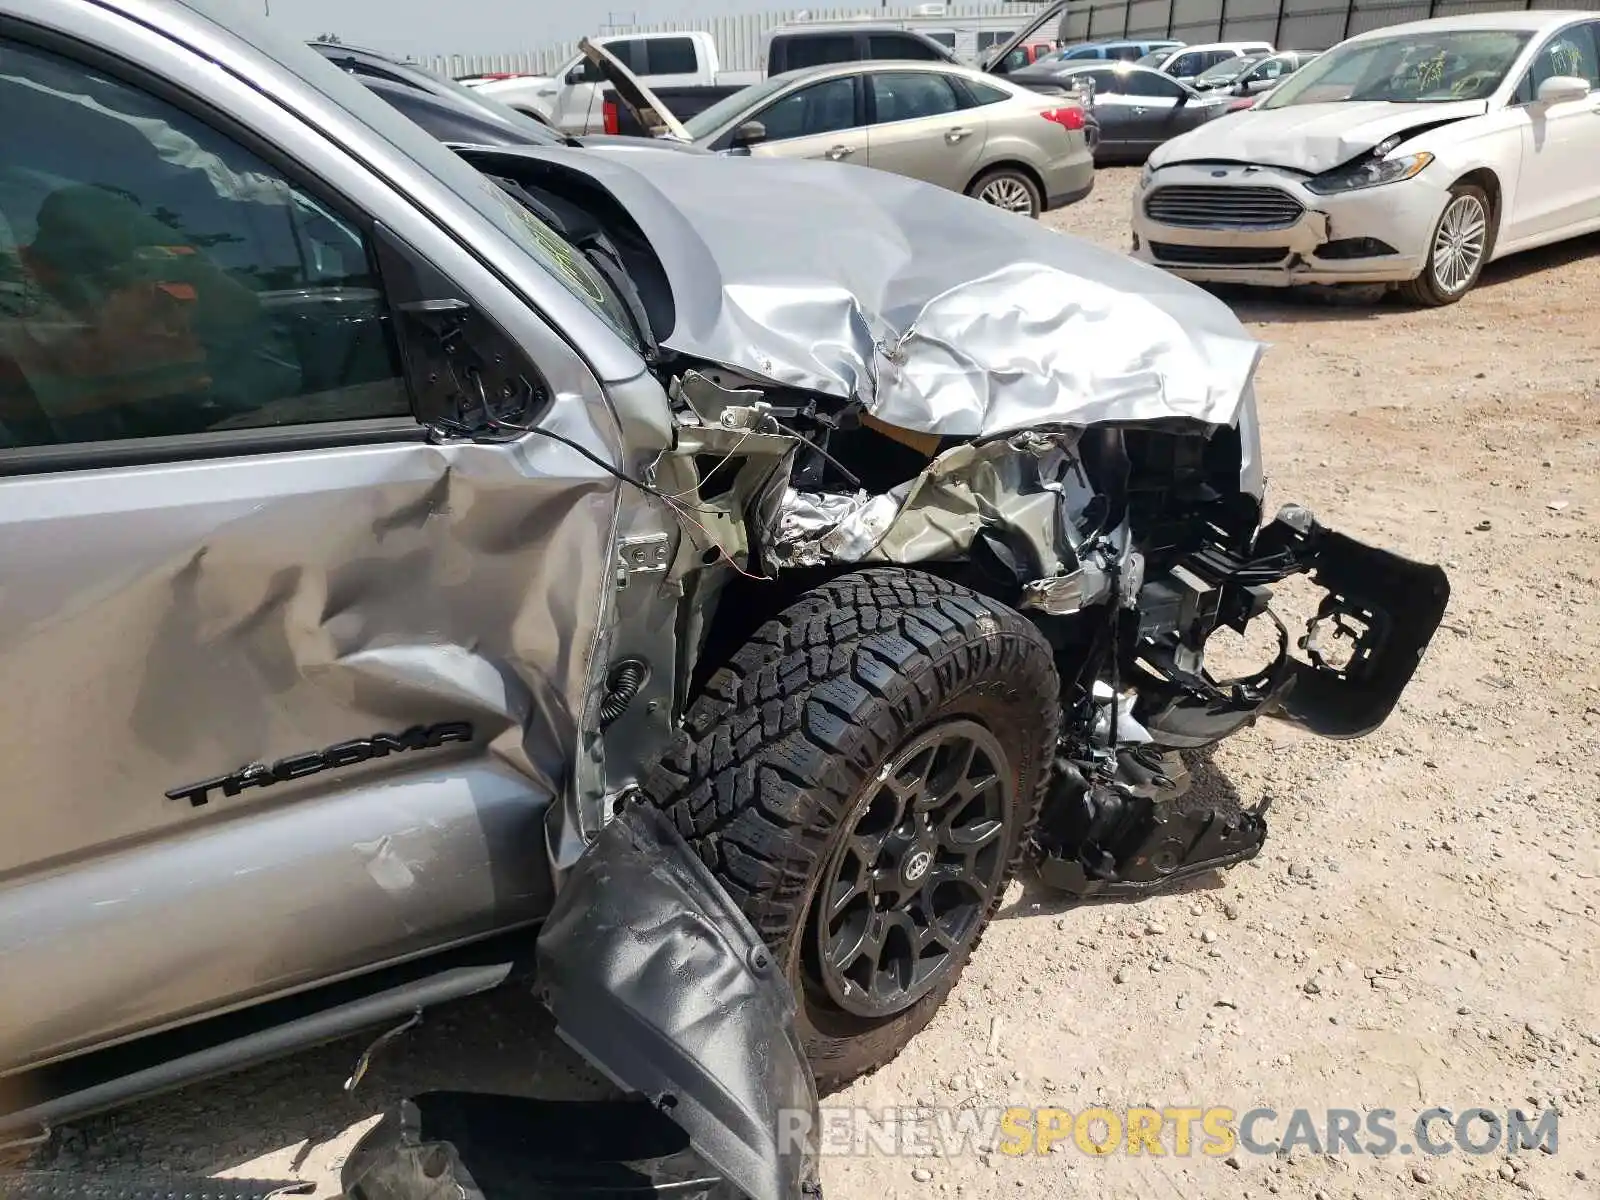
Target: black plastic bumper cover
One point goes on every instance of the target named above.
(1387, 608)
(1398, 602)
(657, 978)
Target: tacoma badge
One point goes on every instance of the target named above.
(344, 754)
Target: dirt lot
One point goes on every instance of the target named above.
(1422, 928)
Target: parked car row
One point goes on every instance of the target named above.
(991, 135)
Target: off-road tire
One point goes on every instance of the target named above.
(783, 741)
(1425, 291)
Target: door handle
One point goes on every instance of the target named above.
(838, 152)
(955, 135)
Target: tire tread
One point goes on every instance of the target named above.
(776, 746)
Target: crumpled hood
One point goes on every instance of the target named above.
(941, 314)
(1307, 137)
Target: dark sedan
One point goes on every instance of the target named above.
(1135, 107)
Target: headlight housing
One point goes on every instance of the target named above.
(1146, 176)
(1369, 172)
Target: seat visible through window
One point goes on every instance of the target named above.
(1571, 52)
(825, 107)
(907, 95)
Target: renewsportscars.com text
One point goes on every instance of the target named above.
(1178, 1131)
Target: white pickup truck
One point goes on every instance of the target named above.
(570, 100)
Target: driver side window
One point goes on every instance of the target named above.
(158, 279)
(1151, 85)
(826, 107)
(1573, 51)
(1106, 83)
(907, 96)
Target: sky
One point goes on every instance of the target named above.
(424, 27)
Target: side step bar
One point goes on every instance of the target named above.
(163, 1062)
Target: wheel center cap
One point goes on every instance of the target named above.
(917, 864)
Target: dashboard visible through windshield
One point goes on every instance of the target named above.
(1417, 68)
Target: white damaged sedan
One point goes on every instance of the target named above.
(1409, 156)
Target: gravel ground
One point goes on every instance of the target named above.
(1421, 928)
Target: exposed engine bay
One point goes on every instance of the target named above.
(1091, 462)
(1128, 545)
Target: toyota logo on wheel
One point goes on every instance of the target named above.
(917, 865)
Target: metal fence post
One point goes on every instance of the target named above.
(1349, 12)
(1222, 18)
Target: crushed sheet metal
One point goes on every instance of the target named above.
(819, 527)
(1032, 343)
(1310, 139)
(938, 314)
(1020, 483)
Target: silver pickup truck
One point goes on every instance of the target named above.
(704, 581)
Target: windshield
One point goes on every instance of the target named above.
(1227, 72)
(706, 122)
(1415, 68)
(1154, 59)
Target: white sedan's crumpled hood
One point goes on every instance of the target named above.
(1308, 137)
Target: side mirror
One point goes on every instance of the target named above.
(1182, 99)
(751, 133)
(1559, 89)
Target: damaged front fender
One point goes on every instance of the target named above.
(658, 979)
(655, 976)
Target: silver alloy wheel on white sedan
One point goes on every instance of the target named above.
(1462, 241)
(1459, 243)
